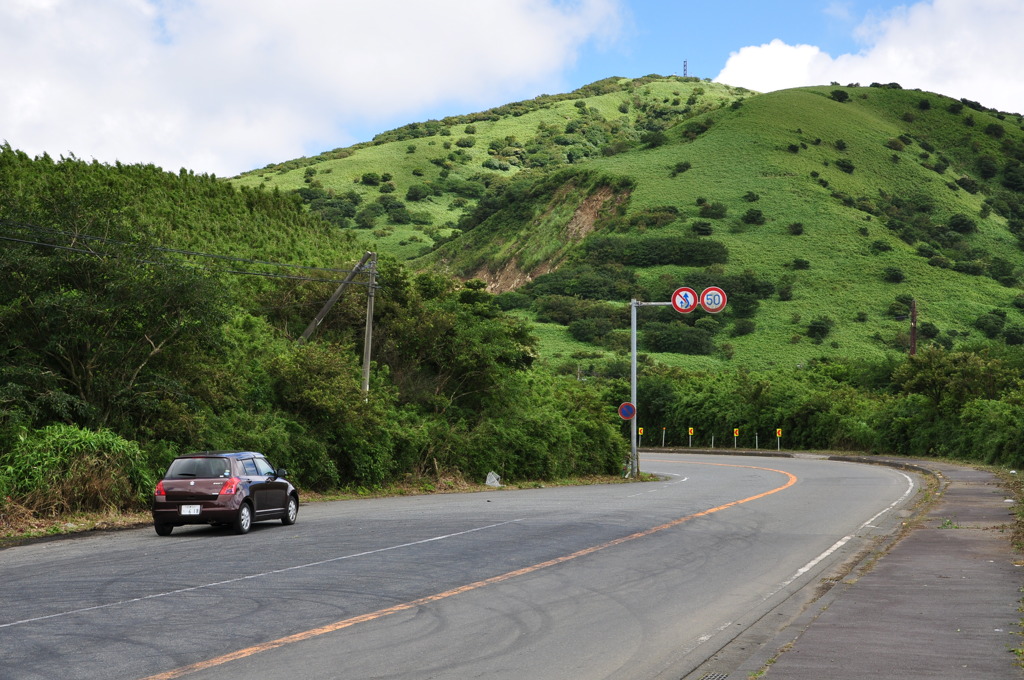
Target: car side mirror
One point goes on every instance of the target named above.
(281, 472)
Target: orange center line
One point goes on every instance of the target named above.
(405, 606)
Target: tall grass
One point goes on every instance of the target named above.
(63, 468)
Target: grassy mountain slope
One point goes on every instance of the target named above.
(840, 205)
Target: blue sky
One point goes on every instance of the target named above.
(225, 86)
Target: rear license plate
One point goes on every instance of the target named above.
(191, 509)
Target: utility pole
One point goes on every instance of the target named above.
(371, 267)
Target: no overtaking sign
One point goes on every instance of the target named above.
(685, 300)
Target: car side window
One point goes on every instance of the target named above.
(249, 466)
(264, 467)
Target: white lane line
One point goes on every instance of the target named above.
(659, 488)
(810, 565)
(845, 539)
(252, 576)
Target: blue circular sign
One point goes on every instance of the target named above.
(627, 411)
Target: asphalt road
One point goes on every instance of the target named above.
(611, 581)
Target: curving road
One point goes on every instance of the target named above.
(612, 581)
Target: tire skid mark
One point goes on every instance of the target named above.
(476, 585)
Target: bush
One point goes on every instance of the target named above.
(840, 95)
(370, 179)
(796, 228)
(743, 327)
(701, 228)
(893, 275)
(962, 224)
(820, 328)
(753, 216)
(417, 192)
(465, 142)
(714, 210)
(680, 168)
(63, 468)
(678, 338)
(800, 263)
(845, 165)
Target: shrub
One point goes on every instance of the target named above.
(753, 216)
(677, 337)
(845, 165)
(702, 228)
(800, 263)
(840, 145)
(751, 197)
(63, 468)
(840, 95)
(819, 328)
(743, 327)
(370, 179)
(962, 224)
(968, 184)
(995, 130)
(465, 142)
(796, 228)
(680, 167)
(713, 210)
(893, 275)
(990, 324)
(417, 192)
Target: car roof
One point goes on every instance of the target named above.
(221, 454)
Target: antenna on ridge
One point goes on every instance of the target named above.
(684, 68)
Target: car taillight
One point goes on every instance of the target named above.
(160, 489)
(230, 486)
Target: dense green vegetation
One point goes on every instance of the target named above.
(512, 241)
(124, 343)
(824, 212)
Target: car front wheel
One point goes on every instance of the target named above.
(163, 529)
(291, 512)
(243, 522)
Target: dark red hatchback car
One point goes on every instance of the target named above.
(223, 488)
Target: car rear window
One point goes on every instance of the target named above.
(202, 468)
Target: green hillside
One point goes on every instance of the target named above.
(145, 313)
(822, 212)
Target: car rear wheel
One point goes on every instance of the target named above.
(243, 522)
(291, 512)
(163, 529)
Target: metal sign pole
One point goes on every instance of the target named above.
(634, 460)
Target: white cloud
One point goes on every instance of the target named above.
(956, 48)
(228, 85)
